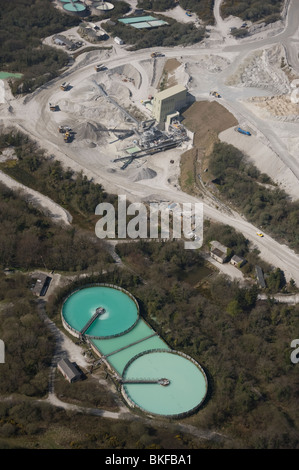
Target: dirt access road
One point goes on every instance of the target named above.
(204, 67)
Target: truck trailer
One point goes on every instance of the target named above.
(242, 131)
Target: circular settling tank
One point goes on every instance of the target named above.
(164, 383)
(114, 311)
(74, 7)
(105, 6)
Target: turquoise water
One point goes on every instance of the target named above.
(73, 7)
(119, 360)
(140, 333)
(4, 75)
(138, 19)
(186, 390)
(187, 387)
(121, 311)
(106, 346)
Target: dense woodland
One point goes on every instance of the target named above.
(253, 10)
(23, 25)
(173, 34)
(28, 240)
(202, 8)
(247, 189)
(28, 342)
(37, 425)
(243, 344)
(156, 5)
(34, 169)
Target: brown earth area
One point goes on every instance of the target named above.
(206, 119)
(168, 79)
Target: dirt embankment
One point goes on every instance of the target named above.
(168, 77)
(206, 119)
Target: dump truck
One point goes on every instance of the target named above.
(156, 54)
(242, 131)
(64, 86)
(99, 67)
(64, 129)
(215, 93)
(53, 107)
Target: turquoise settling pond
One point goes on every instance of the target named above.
(121, 312)
(109, 320)
(185, 391)
(4, 75)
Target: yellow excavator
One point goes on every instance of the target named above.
(67, 136)
(215, 93)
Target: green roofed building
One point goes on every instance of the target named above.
(169, 101)
(141, 22)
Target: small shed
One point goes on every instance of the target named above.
(69, 370)
(118, 40)
(42, 284)
(237, 261)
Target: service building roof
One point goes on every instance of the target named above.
(170, 91)
(68, 368)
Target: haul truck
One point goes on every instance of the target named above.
(156, 54)
(53, 107)
(64, 86)
(99, 67)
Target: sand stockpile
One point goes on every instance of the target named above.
(142, 174)
(90, 134)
